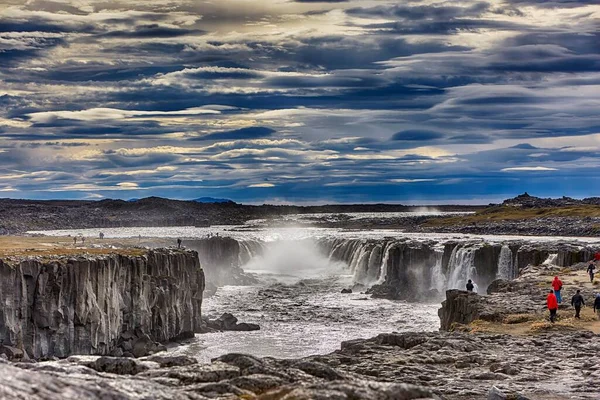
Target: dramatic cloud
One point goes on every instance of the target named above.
(299, 100)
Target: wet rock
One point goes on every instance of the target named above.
(119, 366)
(346, 291)
(227, 322)
(172, 361)
(12, 353)
(245, 327)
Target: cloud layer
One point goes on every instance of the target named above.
(299, 101)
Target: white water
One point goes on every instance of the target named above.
(305, 313)
(462, 266)
(506, 269)
(297, 233)
(306, 318)
(291, 261)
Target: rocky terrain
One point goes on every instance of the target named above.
(526, 215)
(103, 304)
(19, 216)
(497, 346)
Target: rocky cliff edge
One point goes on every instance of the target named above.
(102, 304)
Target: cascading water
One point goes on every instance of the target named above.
(250, 249)
(438, 279)
(506, 268)
(461, 267)
(290, 261)
(413, 267)
(551, 260)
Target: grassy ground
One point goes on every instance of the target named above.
(504, 213)
(22, 246)
(528, 324)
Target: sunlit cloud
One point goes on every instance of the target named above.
(517, 169)
(308, 101)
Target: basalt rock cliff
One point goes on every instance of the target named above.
(108, 304)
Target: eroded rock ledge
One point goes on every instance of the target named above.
(99, 304)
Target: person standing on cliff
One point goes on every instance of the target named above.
(179, 243)
(590, 270)
(557, 286)
(597, 305)
(470, 286)
(552, 305)
(577, 301)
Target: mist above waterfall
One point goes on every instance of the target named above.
(293, 260)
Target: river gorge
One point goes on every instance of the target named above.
(310, 291)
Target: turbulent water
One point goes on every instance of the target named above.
(309, 317)
(299, 305)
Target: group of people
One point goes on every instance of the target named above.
(554, 298)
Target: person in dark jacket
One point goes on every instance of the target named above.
(179, 243)
(552, 305)
(470, 286)
(577, 301)
(597, 305)
(590, 270)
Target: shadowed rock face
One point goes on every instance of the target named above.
(221, 258)
(84, 305)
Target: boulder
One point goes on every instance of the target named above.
(12, 353)
(496, 394)
(119, 366)
(346, 291)
(227, 322)
(245, 327)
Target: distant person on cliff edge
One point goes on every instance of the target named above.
(597, 305)
(470, 286)
(577, 301)
(552, 305)
(178, 243)
(557, 286)
(590, 270)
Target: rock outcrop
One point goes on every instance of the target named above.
(99, 304)
(232, 376)
(222, 258)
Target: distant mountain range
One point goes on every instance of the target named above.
(208, 200)
(212, 200)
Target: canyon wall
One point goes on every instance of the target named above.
(91, 304)
(222, 258)
(425, 269)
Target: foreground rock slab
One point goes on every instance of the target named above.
(232, 376)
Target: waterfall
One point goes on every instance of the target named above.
(250, 249)
(461, 267)
(383, 267)
(551, 260)
(505, 264)
(414, 266)
(438, 279)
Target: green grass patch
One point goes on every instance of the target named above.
(508, 213)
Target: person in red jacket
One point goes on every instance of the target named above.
(557, 286)
(552, 305)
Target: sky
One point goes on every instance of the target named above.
(303, 102)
